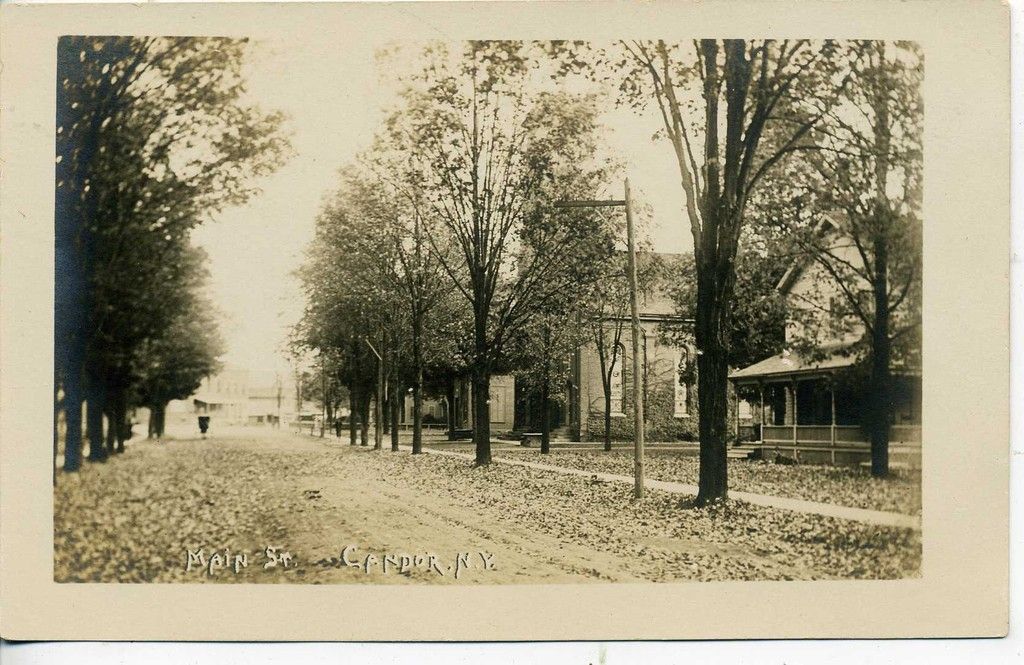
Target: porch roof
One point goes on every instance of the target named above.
(790, 363)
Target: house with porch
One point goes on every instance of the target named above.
(811, 407)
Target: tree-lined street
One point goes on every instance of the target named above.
(483, 249)
(249, 489)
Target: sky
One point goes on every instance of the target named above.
(334, 94)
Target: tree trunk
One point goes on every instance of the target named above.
(880, 385)
(364, 419)
(389, 396)
(481, 380)
(451, 409)
(353, 412)
(72, 421)
(880, 411)
(608, 418)
(378, 403)
(417, 385)
(712, 390)
(157, 418)
(881, 407)
(111, 429)
(545, 415)
(329, 422)
(124, 426)
(117, 406)
(395, 403)
(95, 405)
(378, 420)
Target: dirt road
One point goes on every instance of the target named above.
(253, 505)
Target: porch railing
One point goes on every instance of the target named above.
(829, 435)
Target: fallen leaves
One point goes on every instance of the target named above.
(841, 485)
(132, 519)
(731, 541)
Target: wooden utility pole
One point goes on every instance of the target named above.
(378, 412)
(638, 396)
(634, 302)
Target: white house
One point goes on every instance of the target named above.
(802, 406)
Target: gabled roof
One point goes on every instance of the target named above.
(829, 223)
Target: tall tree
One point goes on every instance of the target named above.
(394, 200)
(542, 350)
(355, 297)
(153, 136)
(731, 110)
(337, 316)
(493, 152)
(864, 188)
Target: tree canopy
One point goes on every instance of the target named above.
(154, 136)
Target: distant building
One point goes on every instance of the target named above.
(241, 396)
(577, 408)
(502, 405)
(224, 396)
(667, 372)
(268, 398)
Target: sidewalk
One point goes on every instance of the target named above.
(878, 517)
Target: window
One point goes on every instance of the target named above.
(497, 406)
(616, 382)
(679, 383)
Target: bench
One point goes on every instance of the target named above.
(529, 438)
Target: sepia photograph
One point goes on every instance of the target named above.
(487, 312)
(504, 321)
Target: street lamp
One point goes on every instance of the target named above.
(634, 306)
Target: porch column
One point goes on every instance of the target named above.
(796, 416)
(760, 393)
(737, 393)
(832, 394)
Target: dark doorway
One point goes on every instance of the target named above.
(529, 410)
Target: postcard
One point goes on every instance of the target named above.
(504, 321)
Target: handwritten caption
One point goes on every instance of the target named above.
(386, 562)
(223, 559)
(210, 562)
